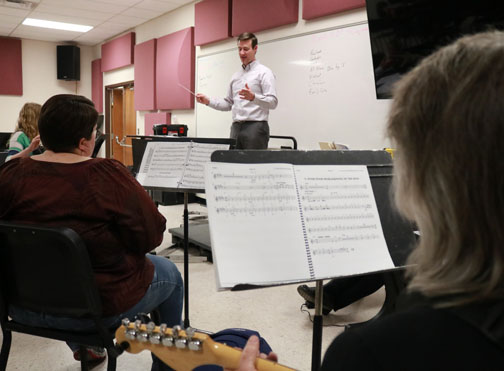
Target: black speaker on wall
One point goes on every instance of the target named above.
(68, 62)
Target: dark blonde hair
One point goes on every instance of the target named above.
(447, 122)
(28, 120)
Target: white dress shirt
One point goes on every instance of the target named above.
(261, 82)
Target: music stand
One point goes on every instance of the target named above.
(397, 231)
(139, 143)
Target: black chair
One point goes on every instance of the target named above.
(3, 156)
(48, 270)
(100, 139)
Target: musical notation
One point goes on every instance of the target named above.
(332, 186)
(344, 238)
(255, 210)
(253, 177)
(353, 206)
(339, 196)
(176, 165)
(329, 218)
(254, 187)
(259, 198)
(332, 250)
(339, 228)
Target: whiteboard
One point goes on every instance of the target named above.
(325, 89)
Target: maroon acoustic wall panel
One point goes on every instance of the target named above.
(11, 66)
(212, 21)
(145, 76)
(318, 8)
(174, 69)
(258, 15)
(151, 119)
(118, 53)
(97, 85)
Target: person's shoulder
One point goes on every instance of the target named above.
(15, 166)
(16, 136)
(261, 66)
(108, 168)
(107, 163)
(434, 333)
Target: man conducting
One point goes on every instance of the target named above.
(251, 94)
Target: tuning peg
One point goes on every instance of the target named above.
(154, 337)
(190, 332)
(176, 330)
(130, 333)
(138, 323)
(150, 327)
(193, 344)
(166, 340)
(180, 342)
(142, 336)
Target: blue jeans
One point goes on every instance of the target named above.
(166, 293)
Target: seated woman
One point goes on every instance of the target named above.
(105, 205)
(447, 123)
(25, 139)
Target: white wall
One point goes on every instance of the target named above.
(40, 80)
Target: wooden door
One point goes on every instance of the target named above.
(129, 123)
(123, 123)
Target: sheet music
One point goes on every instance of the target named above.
(163, 164)
(255, 229)
(199, 155)
(342, 223)
(280, 223)
(176, 164)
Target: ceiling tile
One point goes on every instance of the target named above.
(141, 13)
(108, 17)
(72, 12)
(126, 20)
(121, 2)
(5, 31)
(14, 12)
(8, 21)
(156, 5)
(96, 6)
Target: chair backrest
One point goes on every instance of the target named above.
(4, 140)
(98, 143)
(46, 270)
(3, 156)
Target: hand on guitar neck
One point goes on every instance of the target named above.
(249, 355)
(186, 350)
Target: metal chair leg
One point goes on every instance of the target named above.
(4, 354)
(84, 358)
(111, 363)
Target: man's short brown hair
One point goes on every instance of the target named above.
(248, 36)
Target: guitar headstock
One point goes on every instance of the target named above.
(182, 349)
(178, 348)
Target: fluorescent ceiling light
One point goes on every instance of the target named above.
(56, 25)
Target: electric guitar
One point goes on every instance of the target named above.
(183, 349)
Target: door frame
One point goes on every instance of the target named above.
(108, 113)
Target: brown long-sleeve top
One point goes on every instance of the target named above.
(104, 204)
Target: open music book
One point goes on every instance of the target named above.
(176, 164)
(281, 223)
